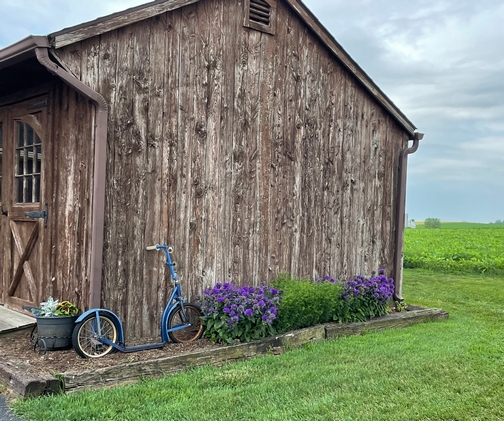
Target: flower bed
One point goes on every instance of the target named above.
(235, 314)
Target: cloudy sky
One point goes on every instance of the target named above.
(440, 61)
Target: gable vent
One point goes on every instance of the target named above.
(260, 12)
(260, 15)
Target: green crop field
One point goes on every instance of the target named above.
(456, 249)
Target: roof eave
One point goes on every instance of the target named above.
(117, 20)
(21, 50)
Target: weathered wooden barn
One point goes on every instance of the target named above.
(239, 131)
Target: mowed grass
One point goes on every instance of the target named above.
(450, 370)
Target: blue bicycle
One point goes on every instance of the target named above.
(99, 331)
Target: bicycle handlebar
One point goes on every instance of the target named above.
(169, 249)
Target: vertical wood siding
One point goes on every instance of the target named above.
(69, 200)
(252, 154)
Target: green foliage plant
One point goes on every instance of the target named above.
(66, 308)
(306, 303)
(400, 306)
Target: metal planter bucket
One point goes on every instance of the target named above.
(55, 332)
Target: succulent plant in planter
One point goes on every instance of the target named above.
(54, 308)
(55, 323)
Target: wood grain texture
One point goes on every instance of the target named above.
(70, 199)
(251, 153)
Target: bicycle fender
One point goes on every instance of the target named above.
(111, 315)
(164, 322)
(97, 310)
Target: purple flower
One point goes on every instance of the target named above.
(237, 305)
(377, 289)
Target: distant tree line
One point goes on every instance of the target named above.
(432, 223)
(436, 223)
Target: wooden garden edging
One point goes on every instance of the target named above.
(274, 345)
(132, 372)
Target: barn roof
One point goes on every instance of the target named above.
(108, 23)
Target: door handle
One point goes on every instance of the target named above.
(37, 215)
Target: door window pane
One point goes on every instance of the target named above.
(29, 160)
(20, 136)
(29, 135)
(37, 188)
(28, 164)
(38, 158)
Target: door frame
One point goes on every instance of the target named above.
(3, 207)
(14, 249)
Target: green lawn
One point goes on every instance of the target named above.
(451, 370)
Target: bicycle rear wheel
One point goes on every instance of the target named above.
(187, 334)
(85, 338)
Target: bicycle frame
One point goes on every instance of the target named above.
(173, 302)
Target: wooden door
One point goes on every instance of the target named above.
(25, 215)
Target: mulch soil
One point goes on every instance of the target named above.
(17, 350)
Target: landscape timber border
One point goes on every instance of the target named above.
(29, 385)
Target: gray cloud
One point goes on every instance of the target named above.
(441, 62)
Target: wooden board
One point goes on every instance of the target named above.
(11, 320)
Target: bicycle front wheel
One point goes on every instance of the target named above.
(85, 338)
(188, 334)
